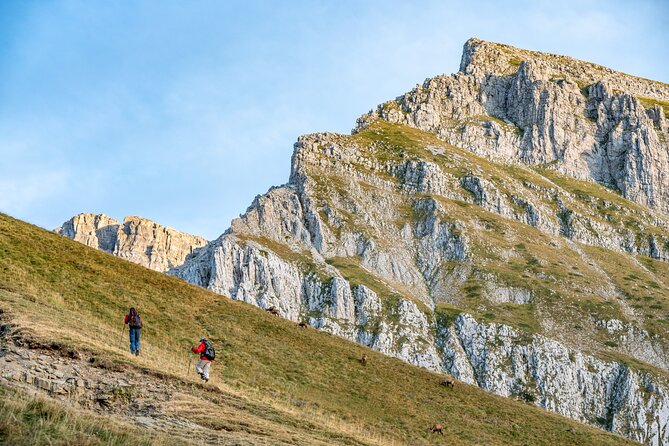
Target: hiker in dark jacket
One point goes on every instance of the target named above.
(134, 321)
(207, 355)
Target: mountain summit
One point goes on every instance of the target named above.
(578, 118)
(507, 224)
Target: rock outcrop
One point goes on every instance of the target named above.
(137, 239)
(583, 120)
(95, 230)
(370, 250)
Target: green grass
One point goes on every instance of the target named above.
(652, 102)
(515, 61)
(61, 291)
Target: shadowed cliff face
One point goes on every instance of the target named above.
(507, 224)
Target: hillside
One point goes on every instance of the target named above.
(275, 383)
(507, 224)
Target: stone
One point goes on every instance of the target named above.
(137, 239)
(42, 383)
(540, 115)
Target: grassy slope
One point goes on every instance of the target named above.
(50, 285)
(38, 421)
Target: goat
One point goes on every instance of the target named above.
(448, 382)
(303, 324)
(363, 360)
(273, 310)
(437, 428)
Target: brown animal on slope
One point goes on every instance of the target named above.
(437, 428)
(448, 382)
(363, 360)
(274, 310)
(302, 324)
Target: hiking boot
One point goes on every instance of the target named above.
(136, 352)
(205, 379)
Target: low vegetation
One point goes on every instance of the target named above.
(307, 384)
(32, 420)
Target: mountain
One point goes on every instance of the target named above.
(590, 122)
(137, 239)
(507, 225)
(66, 376)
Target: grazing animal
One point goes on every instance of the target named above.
(437, 428)
(448, 382)
(363, 360)
(274, 310)
(302, 324)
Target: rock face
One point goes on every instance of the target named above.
(136, 239)
(380, 249)
(507, 225)
(94, 230)
(604, 393)
(586, 121)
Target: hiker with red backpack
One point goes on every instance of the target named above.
(207, 355)
(134, 321)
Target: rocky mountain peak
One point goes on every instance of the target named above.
(574, 117)
(137, 239)
(481, 59)
(95, 230)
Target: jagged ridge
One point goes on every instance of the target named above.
(577, 118)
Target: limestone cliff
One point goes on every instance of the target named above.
(136, 239)
(538, 275)
(575, 117)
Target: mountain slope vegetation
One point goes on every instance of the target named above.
(275, 382)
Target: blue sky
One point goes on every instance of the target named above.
(183, 111)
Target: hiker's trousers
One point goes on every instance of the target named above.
(202, 367)
(134, 340)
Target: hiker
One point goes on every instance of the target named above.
(134, 321)
(207, 355)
